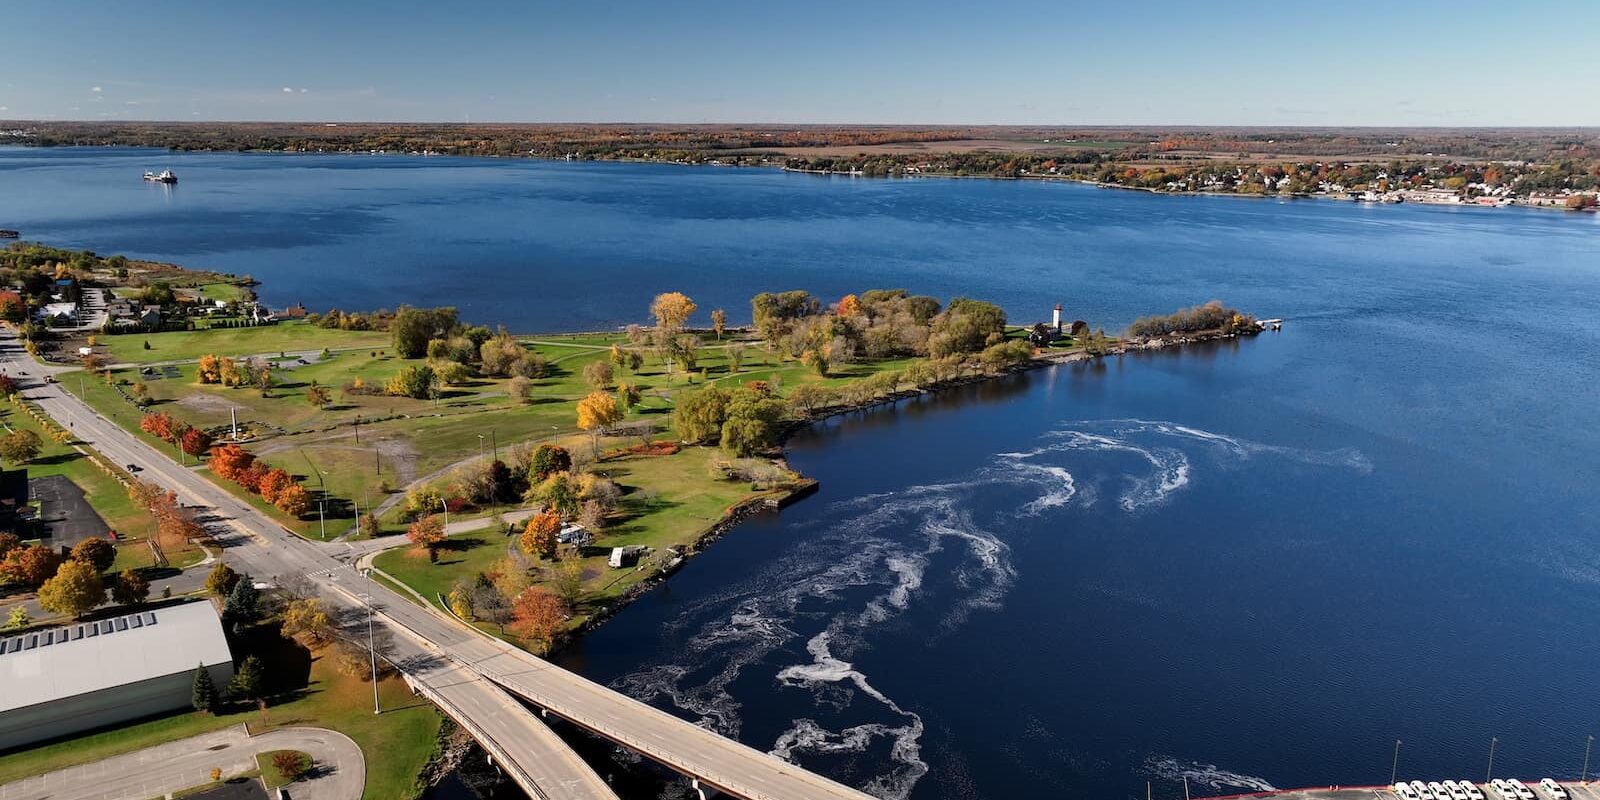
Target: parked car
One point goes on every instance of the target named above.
(1473, 792)
(1553, 789)
(1456, 790)
(1422, 790)
(1521, 789)
(1404, 791)
(1503, 789)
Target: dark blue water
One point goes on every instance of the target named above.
(1256, 563)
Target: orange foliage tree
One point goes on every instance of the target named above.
(539, 538)
(539, 615)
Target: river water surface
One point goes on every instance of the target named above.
(1253, 564)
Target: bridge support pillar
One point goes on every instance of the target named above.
(704, 792)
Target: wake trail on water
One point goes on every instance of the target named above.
(806, 617)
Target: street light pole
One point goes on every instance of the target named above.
(445, 507)
(322, 516)
(1395, 765)
(372, 650)
(1493, 740)
(1586, 747)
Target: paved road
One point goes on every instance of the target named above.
(430, 641)
(338, 773)
(254, 543)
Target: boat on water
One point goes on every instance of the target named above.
(165, 176)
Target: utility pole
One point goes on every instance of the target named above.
(1493, 740)
(322, 516)
(357, 503)
(1586, 747)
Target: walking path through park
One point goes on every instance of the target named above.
(338, 771)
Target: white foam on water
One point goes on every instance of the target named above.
(887, 542)
(1202, 774)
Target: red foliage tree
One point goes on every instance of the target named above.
(196, 442)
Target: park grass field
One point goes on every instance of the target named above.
(362, 448)
(310, 692)
(669, 501)
(128, 348)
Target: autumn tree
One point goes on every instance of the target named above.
(597, 413)
(627, 396)
(221, 580)
(719, 322)
(671, 311)
(427, 533)
(294, 500)
(416, 382)
(849, 306)
(539, 538)
(273, 483)
(20, 446)
(567, 580)
(74, 590)
(598, 374)
(306, 621)
(210, 369)
(195, 442)
(540, 616)
(559, 492)
(95, 552)
(290, 764)
(131, 588)
(698, 416)
(318, 396)
(547, 460)
(230, 461)
(31, 565)
(520, 389)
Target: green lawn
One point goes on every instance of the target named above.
(396, 743)
(190, 345)
(669, 501)
(401, 439)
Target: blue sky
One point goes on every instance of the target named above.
(1288, 62)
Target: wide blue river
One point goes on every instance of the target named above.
(1253, 564)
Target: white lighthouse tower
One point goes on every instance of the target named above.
(1056, 320)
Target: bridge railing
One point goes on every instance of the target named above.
(483, 738)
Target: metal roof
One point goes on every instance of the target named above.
(43, 666)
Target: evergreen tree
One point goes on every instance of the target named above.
(246, 683)
(204, 696)
(244, 600)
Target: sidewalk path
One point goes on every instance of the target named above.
(338, 769)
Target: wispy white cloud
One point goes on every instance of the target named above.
(96, 89)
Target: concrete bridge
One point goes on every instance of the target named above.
(470, 676)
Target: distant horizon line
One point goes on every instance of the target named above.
(905, 125)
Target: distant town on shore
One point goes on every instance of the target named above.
(1539, 167)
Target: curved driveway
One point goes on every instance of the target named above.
(338, 770)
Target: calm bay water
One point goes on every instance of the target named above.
(1256, 563)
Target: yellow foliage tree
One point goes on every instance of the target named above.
(671, 310)
(598, 411)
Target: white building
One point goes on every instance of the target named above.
(66, 680)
